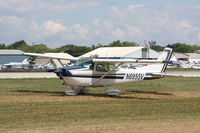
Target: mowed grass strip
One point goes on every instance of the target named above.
(39, 105)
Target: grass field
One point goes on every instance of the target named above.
(39, 106)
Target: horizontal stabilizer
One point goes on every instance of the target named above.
(166, 75)
(111, 61)
(172, 62)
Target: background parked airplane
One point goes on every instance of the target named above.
(16, 65)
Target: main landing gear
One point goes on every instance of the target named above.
(83, 90)
(113, 92)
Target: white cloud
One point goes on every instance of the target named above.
(118, 34)
(185, 24)
(114, 9)
(198, 37)
(132, 7)
(50, 27)
(77, 28)
(101, 30)
(165, 24)
(45, 30)
(11, 27)
(76, 32)
(11, 20)
(133, 31)
(38, 6)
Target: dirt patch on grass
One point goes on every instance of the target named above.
(27, 98)
(47, 98)
(184, 126)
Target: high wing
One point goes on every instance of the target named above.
(51, 56)
(122, 61)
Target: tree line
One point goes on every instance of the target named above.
(75, 50)
(178, 47)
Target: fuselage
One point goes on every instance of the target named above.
(100, 75)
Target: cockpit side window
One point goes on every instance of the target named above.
(113, 67)
(106, 67)
(102, 67)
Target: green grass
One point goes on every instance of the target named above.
(39, 105)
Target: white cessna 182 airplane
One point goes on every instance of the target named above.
(97, 72)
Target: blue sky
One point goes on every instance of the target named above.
(88, 22)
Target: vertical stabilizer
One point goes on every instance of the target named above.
(166, 55)
(159, 67)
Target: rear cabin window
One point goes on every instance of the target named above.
(105, 67)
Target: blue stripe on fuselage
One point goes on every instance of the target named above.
(106, 77)
(95, 76)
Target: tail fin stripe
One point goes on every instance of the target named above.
(169, 54)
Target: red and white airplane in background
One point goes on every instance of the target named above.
(98, 72)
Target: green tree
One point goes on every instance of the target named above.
(74, 50)
(3, 46)
(184, 48)
(153, 45)
(39, 48)
(122, 44)
(18, 45)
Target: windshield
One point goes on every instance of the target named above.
(84, 62)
